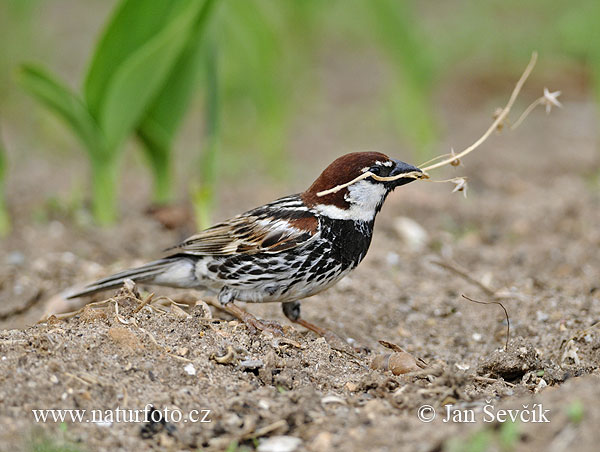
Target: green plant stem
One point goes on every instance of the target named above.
(162, 180)
(104, 189)
(4, 217)
(204, 194)
(159, 160)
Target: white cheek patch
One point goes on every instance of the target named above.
(366, 194)
(364, 198)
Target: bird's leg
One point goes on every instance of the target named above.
(291, 310)
(252, 322)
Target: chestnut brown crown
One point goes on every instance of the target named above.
(350, 166)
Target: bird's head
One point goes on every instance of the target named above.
(362, 199)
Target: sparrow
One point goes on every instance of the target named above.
(284, 251)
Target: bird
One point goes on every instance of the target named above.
(286, 250)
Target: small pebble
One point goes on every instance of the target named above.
(330, 399)
(15, 258)
(251, 364)
(190, 369)
(541, 316)
(412, 233)
(462, 366)
(279, 444)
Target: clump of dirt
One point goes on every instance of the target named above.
(513, 363)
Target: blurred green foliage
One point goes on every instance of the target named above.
(505, 437)
(136, 56)
(4, 218)
(395, 25)
(575, 411)
(270, 51)
(203, 191)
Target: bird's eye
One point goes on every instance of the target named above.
(375, 170)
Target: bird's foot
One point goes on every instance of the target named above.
(266, 326)
(254, 324)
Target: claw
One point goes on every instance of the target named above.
(266, 326)
(253, 323)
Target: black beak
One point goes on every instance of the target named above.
(403, 168)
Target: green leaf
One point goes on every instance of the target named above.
(64, 103)
(159, 126)
(134, 22)
(141, 76)
(164, 115)
(252, 38)
(395, 27)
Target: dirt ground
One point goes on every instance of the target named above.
(528, 232)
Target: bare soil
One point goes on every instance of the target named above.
(528, 231)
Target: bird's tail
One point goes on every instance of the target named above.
(170, 271)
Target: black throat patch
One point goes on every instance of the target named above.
(350, 239)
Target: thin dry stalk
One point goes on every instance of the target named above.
(505, 313)
(366, 174)
(118, 316)
(453, 158)
(528, 110)
(466, 275)
(147, 300)
(492, 380)
(267, 429)
(68, 315)
(499, 119)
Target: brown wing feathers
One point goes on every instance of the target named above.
(250, 235)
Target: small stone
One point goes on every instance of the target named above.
(233, 420)
(182, 351)
(412, 233)
(352, 387)
(462, 366)
(179, 313)
(279, 444)
(190, 369)
(331, 399)
(449, 400)
(392, 258)
(15, 258)
(541, 316)
(541, 385)
(322, 442)
(251, 364)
